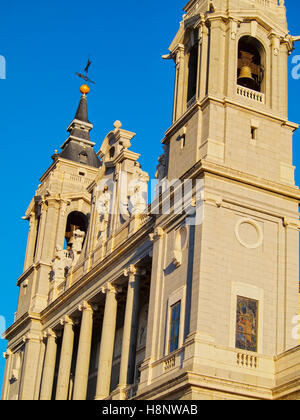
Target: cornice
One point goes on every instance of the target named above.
(252, 180)
(69, 163)
(224, 101)
(247, 15)
(81, 124)
(25, 274)
(78, 140)
(20, 323)
(126, 154)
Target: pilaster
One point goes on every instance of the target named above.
(33, 347)
(62, 221)
(156, 305)
(49, 365)
(8, 357)
(32, 232)
(179, 82)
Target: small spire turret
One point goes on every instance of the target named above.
(78, 146)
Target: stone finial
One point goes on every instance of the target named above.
(117, 125)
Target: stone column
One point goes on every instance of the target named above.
(40, 366)
(230, 62)
(276, 73)
(49, 237)
(62, 221)
(216, 35)
(63, 381)
(44, 253)
(179, 83)
(130, 327)
(203, 75)
(107, 342)
(283, 79)
(92, 233)
(49, 366)
(199, 31)
(41, 230)
(84, 352)
(32, 232)
(8, 357)
(30, 366)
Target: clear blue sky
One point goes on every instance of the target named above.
(44, 44)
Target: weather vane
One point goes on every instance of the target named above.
(85, 75)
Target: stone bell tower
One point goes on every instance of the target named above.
(238, 271)
(231, 89)
(58, 218)
(57, 214)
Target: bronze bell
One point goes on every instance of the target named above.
(245, 78)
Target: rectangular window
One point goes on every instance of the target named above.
(246, 324)
(174, 327)
(254, 133)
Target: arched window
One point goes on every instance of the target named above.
(76, 221)
(112, 152)
(192, 73)
(251, 63)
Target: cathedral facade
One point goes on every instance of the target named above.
(196, 295)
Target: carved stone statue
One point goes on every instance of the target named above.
(137, 202)
(103, 208)
(78, 238)
(161, 168)
(61, 262)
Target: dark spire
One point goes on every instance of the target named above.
(82, 113)
(78, 147)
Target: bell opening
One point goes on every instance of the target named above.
(76, 221)
(250, 67)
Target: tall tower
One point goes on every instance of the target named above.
(59, 210)
(236, 278)
(217, 43)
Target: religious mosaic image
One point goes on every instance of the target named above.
(246, 324)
